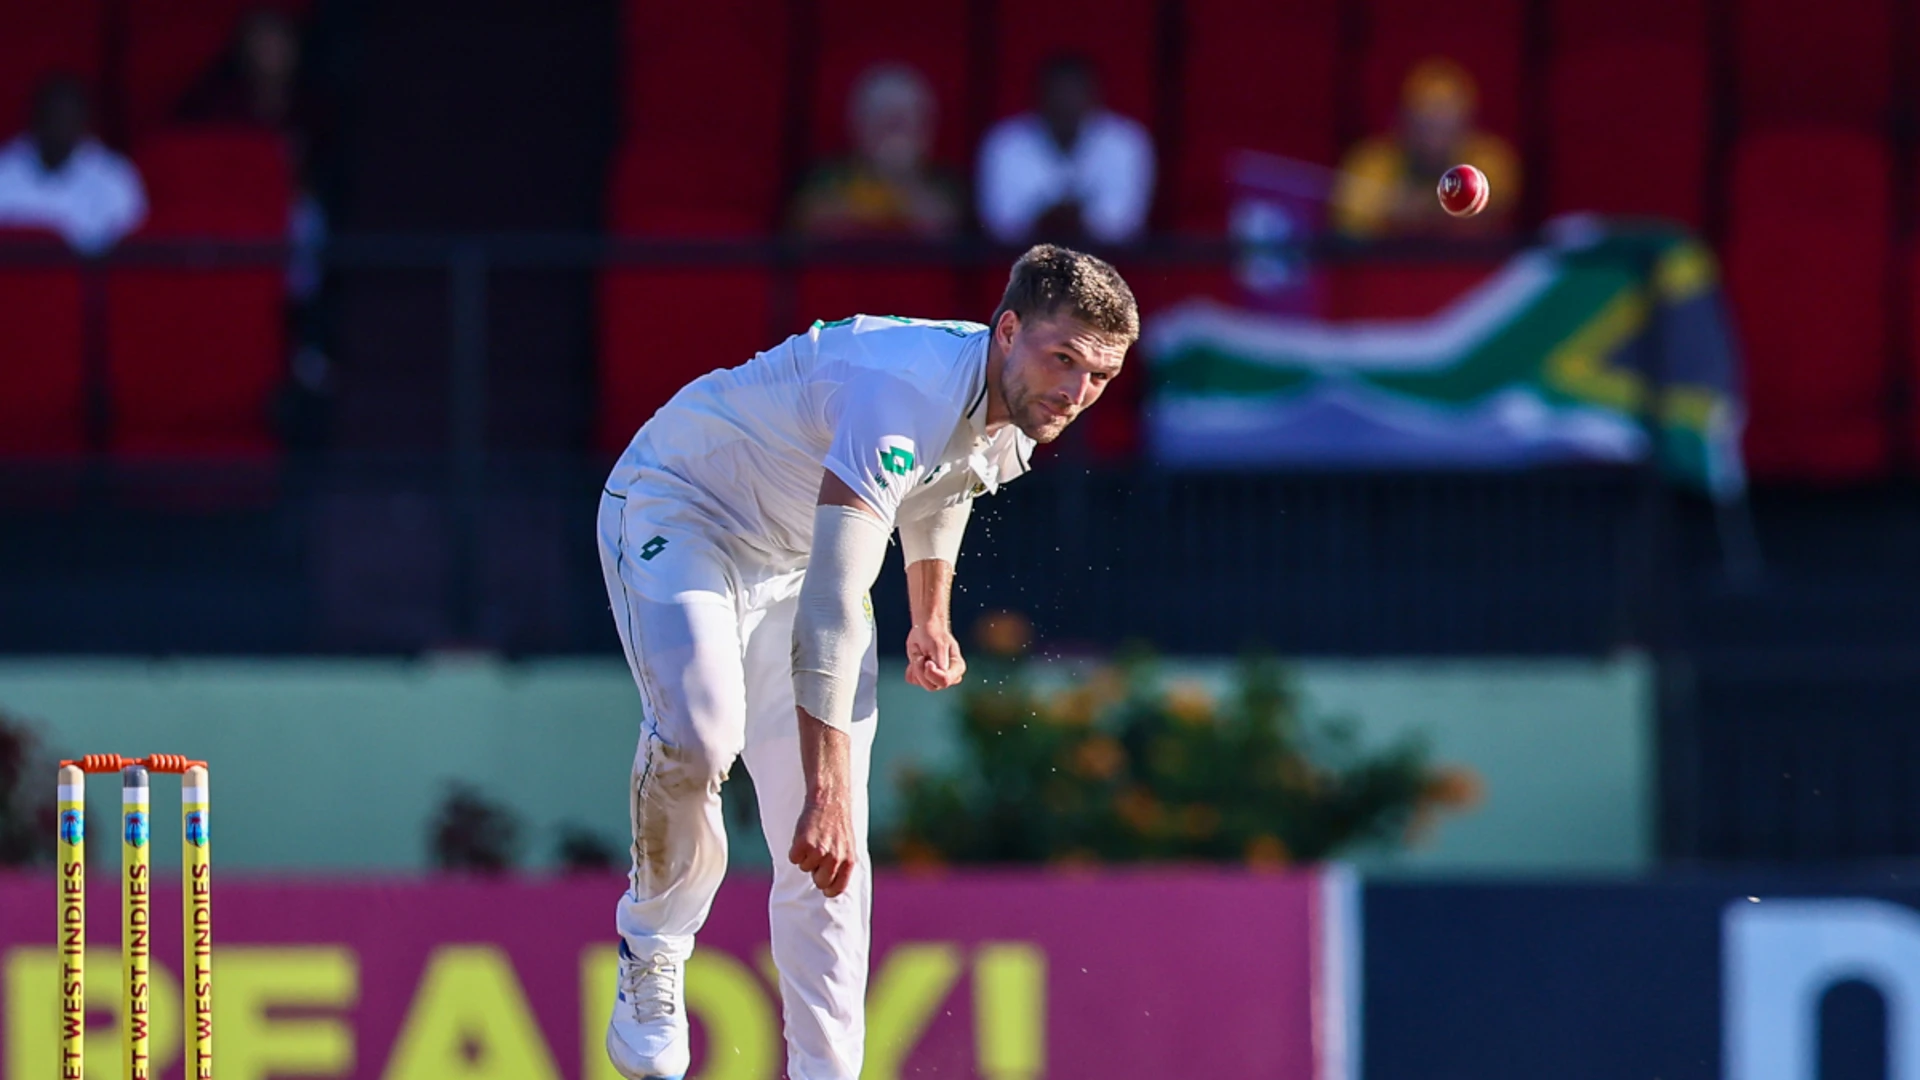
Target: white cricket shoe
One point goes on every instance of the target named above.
(647, 1036)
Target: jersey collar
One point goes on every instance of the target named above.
(1005, 454)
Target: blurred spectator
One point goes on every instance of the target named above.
(1070, 170)
(1386, 185)
(257, 83)
(886, 187)
(57, 176)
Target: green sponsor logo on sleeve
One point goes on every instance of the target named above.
(896, 460)
(652, 547)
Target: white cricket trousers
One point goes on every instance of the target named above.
(708, 630)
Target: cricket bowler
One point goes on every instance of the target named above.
(739, 535)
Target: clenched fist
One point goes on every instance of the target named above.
(823, 845)
(933, 658)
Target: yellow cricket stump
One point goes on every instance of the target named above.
(136, 906)
(136, 897)
(196, 911)
(73, 922)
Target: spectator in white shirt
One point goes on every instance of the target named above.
(1070, 170)
(59, 177)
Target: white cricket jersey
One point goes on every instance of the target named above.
(896, 408)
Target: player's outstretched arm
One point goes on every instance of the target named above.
(830, 638)
(932, 548)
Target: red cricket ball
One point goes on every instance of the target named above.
(1463, 191)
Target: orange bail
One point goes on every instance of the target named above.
(159, 763)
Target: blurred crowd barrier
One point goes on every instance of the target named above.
(1562, 749)
(385, 558)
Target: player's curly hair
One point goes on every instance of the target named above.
(1049, 280)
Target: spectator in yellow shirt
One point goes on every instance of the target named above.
(1386, 184)
(887, 187)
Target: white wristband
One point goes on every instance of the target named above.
(937, 535)
(830, 629)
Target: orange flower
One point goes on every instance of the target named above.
(1268, 852)
(916, 854)
(1072, 708)
(1139, 809)
(1189, 703)
(1003, 633)
(1099, 757)
(1455, 787)
(1200, 821)
(1076, 859)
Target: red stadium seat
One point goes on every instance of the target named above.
(1258, 76)
(43, 361)
(691, 190)
(1912, 294)
(981, 289)
(1794, 67)
(1157, 288)
(1578, 23)
(919, 292)
(1807, 278)
(1399, 291)
(1629, 146)
(171, 46)
(930, 36)
(195, 358)
(1483, 36)
(38, 39)
(1123, 51)
(659, 329)
(213, 181)
(694, 165)
(712, 72)
(195, 353)
(705, 87)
